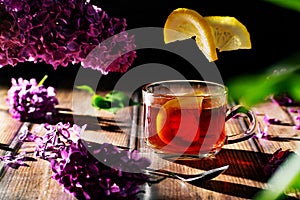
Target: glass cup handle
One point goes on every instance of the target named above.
(241, 110)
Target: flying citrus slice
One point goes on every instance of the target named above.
(229, 33)
(185, 23)
(222, 32)
(178, 120)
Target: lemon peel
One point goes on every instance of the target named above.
(224, 33)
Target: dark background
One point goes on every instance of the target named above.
(273, 30)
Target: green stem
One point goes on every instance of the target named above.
(43, 80)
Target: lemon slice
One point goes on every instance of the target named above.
(185, 23)
(229, 33)
(178, 120)
(222, 32)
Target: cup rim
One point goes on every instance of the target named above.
(145, 90)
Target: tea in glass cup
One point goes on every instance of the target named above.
(187, 117)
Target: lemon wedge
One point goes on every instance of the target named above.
(229, 33)
(214, 32)
(185, 23)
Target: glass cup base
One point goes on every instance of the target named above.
(184, 156)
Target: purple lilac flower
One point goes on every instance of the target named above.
(276, 160)
(55, 140)
(62, 32)
(88, 178)
(102, 174)
(29, 101)
(101, 58)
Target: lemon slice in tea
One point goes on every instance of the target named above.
(178, 120)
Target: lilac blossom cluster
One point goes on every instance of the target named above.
(102, 174)
(276, 160)
(62, 32)
(27, 100)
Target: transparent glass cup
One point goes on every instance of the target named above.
(186, 118)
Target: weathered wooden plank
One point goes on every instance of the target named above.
(281, 135)
(35, 182)
(31, 182)
(241, 181)
(8, 125)
(26, 182)
(9, 128)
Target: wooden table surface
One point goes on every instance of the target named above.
(246, 160)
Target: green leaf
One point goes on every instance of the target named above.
(290, 4)
(117, 96)
(111, 102)
(99, 102)
(295, 184)
(254, 89)
(86, 88)
(119, 100)
(294, 90)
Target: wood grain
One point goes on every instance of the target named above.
(242, 180)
